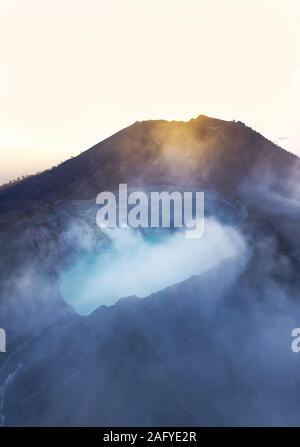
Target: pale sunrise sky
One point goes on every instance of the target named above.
(73, 72)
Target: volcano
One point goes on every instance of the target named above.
(209, 345)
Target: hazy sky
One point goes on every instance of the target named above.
(72, 72)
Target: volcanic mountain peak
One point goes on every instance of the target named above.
(204, 152)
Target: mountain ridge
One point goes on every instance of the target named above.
(201, 151)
